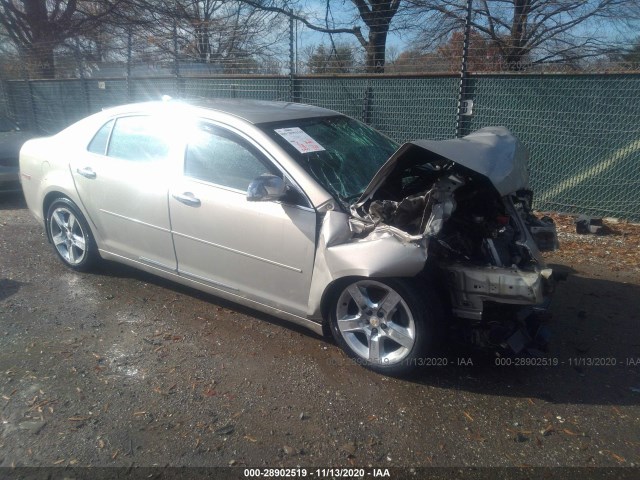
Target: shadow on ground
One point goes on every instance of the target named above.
(595, 345)
(9, 287)
(595, 348)
(12, 201)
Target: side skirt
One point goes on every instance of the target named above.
(316, 327)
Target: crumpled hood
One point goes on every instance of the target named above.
(492, 152)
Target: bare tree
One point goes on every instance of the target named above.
(529, 32)
(37, 27)
(631, 56)
(229, 35)
(375, 14)
(338, 58)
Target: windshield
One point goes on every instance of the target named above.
(342, 154)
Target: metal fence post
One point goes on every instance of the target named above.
(129, 53)
(33, 118)
(293, 94)
(463, 92)
(6, 98)
(176, 61)
(83, 79)
(366, 104)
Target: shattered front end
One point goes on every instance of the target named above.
(467, 203)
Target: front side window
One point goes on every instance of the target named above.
(217, 156)
(139, 138)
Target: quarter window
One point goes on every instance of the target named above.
(216, 156)
(99, 143)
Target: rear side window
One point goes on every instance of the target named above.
(139, 138)
(99, 143)
(219, 157)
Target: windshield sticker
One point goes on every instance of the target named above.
(299, 139)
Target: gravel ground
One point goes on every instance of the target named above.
(118, 368)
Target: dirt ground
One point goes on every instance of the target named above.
(118, 368)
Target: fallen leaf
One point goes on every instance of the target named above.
(349, 448)
(548, 431)
(618, 458)
(250, 438)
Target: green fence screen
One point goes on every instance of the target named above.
(583, 131)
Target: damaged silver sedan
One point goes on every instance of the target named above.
(308, 215)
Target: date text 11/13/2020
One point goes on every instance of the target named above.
(512, 362)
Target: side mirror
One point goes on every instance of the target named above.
(266, 188)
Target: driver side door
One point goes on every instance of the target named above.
(262, 251)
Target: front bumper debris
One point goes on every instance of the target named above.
(471, 286)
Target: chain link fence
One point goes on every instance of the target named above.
(578, 114)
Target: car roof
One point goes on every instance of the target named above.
(261, 111)
(252, 111)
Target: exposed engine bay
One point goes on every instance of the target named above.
(478, 230)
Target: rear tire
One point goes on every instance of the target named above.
(71, 236)
(386, 325)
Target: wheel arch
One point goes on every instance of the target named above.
(89, 250)
(48, 199)
(329, 293)
(420, 313)
(56, 193)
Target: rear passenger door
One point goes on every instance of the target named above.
(259, 250)
(122, 181)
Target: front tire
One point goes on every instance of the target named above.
(385, 324)
(71, 236)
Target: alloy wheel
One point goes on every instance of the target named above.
(68, 236)
(375, 322)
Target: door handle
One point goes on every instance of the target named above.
(86, 172)
(188, 199)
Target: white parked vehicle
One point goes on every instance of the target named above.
(308, 215)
